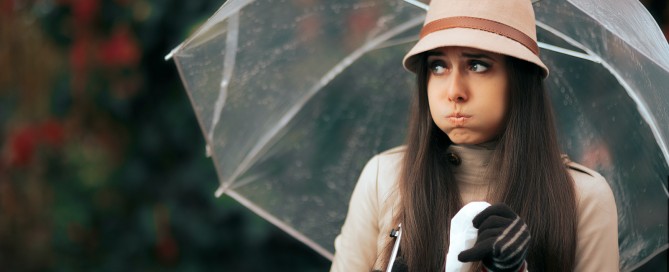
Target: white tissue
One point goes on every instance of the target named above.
(463, 235)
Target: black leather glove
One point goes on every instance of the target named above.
(502, 241)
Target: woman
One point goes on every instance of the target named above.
(481, 129)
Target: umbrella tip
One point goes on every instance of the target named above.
(169, 56)
(219, 191)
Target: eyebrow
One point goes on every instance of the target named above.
(478, 56)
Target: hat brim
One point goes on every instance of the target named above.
(474, 38)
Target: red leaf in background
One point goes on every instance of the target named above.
(79, 63)
(84, 11)
(22, 147)
(120, 50)
(167, 250)
(6, 7)
(24, 142)
(51, 133)
(79, 54)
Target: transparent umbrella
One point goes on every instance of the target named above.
(293, 97)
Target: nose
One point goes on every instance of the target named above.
(457, 88)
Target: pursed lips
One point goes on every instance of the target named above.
(458, 119)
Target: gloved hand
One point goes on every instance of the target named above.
(502, 242)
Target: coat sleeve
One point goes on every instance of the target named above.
(597, 244)
(356, 245)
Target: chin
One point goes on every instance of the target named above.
(467, 140)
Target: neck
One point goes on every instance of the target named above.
(469, 164)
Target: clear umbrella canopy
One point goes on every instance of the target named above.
(295, 96)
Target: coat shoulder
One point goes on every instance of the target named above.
(388, 172)
(397, 151)
(390, 160)
(591, 187)
(572, 166)
(581, 173)
(581, 170)
(586, 178)
(597, 244)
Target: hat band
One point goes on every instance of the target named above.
(481, 24)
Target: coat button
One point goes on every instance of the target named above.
(453, 159)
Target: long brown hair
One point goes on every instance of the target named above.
(532, 178)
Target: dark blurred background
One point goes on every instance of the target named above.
(102, 162)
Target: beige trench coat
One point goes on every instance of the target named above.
(366, 230)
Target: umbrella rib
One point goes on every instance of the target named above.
(267, 139)
(229, 8)
(228, 65)
(418, 4)
(640, 103)
(569, 52)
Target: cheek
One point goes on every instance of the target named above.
(497, 106)
(432, 99)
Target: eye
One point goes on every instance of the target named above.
(478, 66)
(437, 67)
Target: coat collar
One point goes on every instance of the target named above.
(470, 162)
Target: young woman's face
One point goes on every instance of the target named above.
(467, 93)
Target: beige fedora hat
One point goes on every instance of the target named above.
(500, 26)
